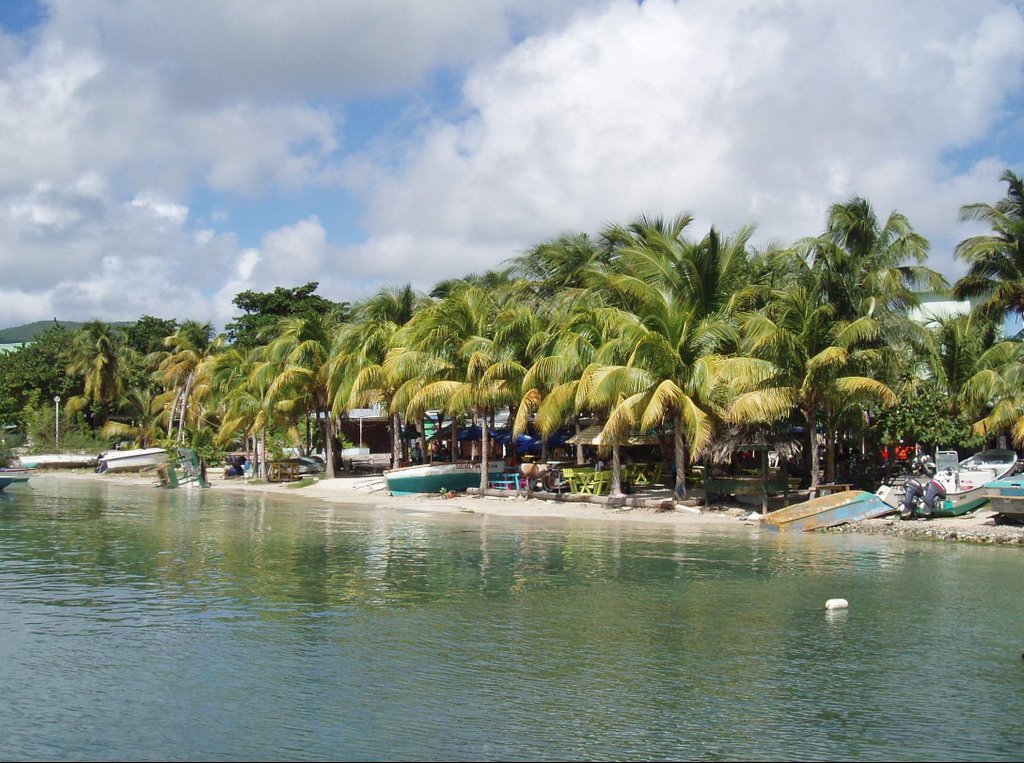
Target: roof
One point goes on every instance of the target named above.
(592, 436)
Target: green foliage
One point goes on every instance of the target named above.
(264, 310)
(32, 375)
(75, 434)
(925, 418)
(147, 334)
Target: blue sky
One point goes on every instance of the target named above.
(161, 157)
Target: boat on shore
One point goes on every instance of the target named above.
(1006, 496)
(58, 461)
(827, 511)
(964, 482)
(438, 476)
(13, 476)
(131, 460)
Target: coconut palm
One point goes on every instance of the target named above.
(301, 353)
(143, 411)
(178, 367)
(684, 294)
(995, 261)
(97, 356)
(810, 356)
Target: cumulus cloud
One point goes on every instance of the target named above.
(145, 142)
(762, 112)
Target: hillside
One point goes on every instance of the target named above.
(29, 331)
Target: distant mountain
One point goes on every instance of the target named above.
(29, 331)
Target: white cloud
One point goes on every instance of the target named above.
(143, 138)
(748, 112)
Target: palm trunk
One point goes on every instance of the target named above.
(184, 405)
(396, 440)
(579, 445)
(679, 490)
(484, 447)
(616, 487)
(810, 418)
(263, 454)
(830, 455)
(329, 443)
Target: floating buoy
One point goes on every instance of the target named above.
(837, 604)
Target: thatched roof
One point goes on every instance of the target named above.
(591, 435)
(733, 438)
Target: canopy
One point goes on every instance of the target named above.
(592, 436)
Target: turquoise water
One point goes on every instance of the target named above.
(175, 625)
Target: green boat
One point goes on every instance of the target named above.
(433, 478)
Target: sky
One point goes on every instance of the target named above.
(158, 158)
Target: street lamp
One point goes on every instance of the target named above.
(56, 421)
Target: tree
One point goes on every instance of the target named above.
(35, 373)
(995, 261)
(809, 357)
(97, 356)
(264, 310)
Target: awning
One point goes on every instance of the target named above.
(592, 436)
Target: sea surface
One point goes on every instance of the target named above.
(146, 624)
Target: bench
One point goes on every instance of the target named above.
(506, 481)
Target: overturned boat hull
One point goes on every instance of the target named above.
(827, 511)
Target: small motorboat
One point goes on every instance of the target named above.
(131, 460)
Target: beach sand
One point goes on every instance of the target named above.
(979, 527)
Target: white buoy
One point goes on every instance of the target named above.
(837, 604)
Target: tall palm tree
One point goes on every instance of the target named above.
(684, 294)
(995, 261)
(809, 355)
(97, 355)
(179, 365)
(301, 353)
(143, 411)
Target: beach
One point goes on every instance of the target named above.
(980, 526)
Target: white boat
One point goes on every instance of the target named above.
(58, 461)
(131, 460)
(964, 481)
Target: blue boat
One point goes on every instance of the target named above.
(827, 511)
(12, 476)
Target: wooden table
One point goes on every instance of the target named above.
(282, 471)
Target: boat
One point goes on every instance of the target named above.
(1006, 496)
(131, 460)
(12, 476)
(58, 461)
(439, 476)
(827, 511)
(965, 482)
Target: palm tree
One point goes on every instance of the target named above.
(809, 355)
(301, 354)
(684, 294)
(143, 411)
(179, 366)
(96, 355)
(995, 261)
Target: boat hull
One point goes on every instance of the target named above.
(435, 478)
(12, 477)
(1007, 496)
(827, 511)
(131, 460)
(58, 461)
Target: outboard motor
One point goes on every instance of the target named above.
(913, 496)
(933, 494)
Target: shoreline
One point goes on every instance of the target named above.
(979, 527)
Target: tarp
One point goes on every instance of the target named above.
(592, 436)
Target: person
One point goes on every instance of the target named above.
(417, 454)
(599, 464)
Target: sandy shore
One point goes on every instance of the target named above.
(979, 527)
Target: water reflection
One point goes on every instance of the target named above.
(296, 629)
